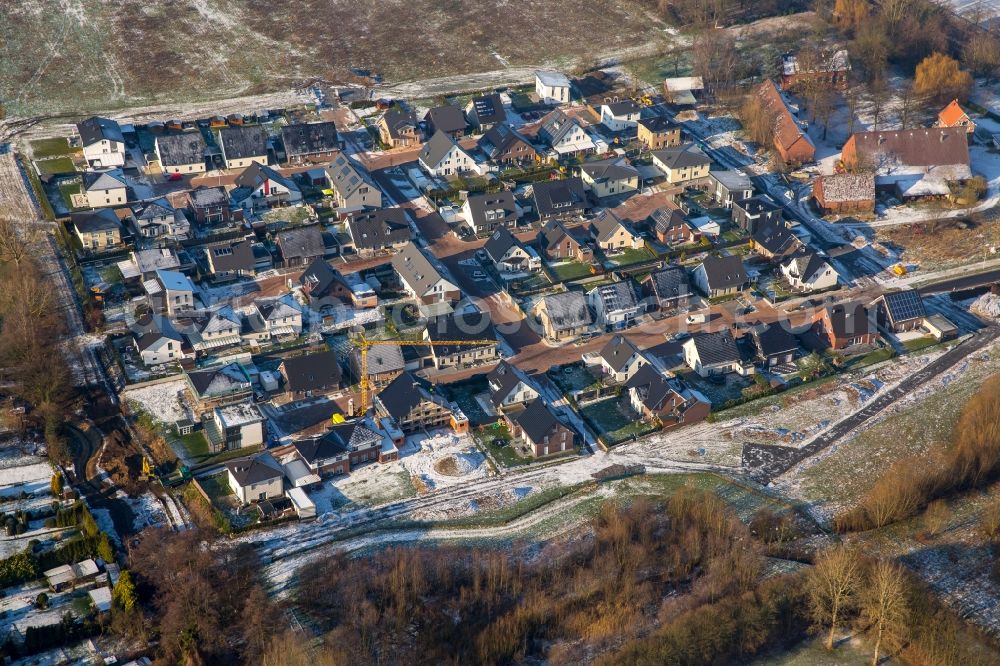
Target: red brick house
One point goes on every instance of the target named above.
(845, 325)
(845, 193)
(541, 431)
(790, 141)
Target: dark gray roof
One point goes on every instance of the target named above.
(774, 339)
(256, 174)
(382, 358)
(346, 176)
(236, 256)
(669, 282)
(355, 435)
(479, 204)
(904, 305)
(310, 138)
(724, 272)
(537, 420)
(204, 197)
(664, 219)
(567, 310)
(807, 264)
(615, 168)
(243, 141)
(314, 449)
(219, 381)
(618, 296)
(157, 208)
(559, 197)
(413, 266)
(302, 242)
(607, 223)
(658, 124)
(397, 119)
(149, 329)
(652, 386)
(715, 348)
(503, 379)
(459, 326)
(556, 125)
(617, 352)
(732, 180)
(378, 228)
(321, 277)
(102, 219)
(312, 372)
(404, 393)
(178, 149)
(849, 320)
(623, 107)
(758, 205)
(104, 180)
(499, 242)
(436, 148)
(97, 129)
(489, 109)
(254, 470)
(499, 138)
(774, 237)
(446, 118)
(685, 155)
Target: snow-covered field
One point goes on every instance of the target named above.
(23, 473)
(160, 401)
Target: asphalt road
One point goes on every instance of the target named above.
(764, 462)
(963, 282)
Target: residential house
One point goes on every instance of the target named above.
(671, 227)
(375, 232)
(321, 282)
(243, 145)
(911, 163)
(102, 142)
(829, 67)
(311, 375)
(668, 288)
(282, 316)
(845, 193)
(559, 198)
(361, 438)
(542, 432)
(97, 229)
(658, 132)
(421, 280)
(442, 156)
(504, 145)
(775, 344)
(564, 135)
(219, 385)
(158, 219)
(213, 329)
(301, 245)
(260, 186)
(612, 234)
(563, 315)
(473, 335)
(510, 255)
(552, 87)
(620, 116)
(486, 111)
(845, 325)
(176, 290)
(105, 188)
(256, 479)
(231, 260)
(809, 272)
(447, 119)
(510, 387)
(556, 243)
(751, 214)
(413, 408)
(682, 164)
(612, 177)
(728, 187)
(720, 276)
(664, 399)
(156, 341)
(324, 456)
(616, 305)
(238, 426)
(714, 354)
(486, 211)
(385, 363)
(954, 116)
(181, 153)
(621, 360)
(310, 142)
(353, 188)
(900, 311)
(774, 240)
(211, 207)
(398, 128)
(791, 142)
(147, 262)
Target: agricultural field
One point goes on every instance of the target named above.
(78, 56)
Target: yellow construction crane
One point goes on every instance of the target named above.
(364, 344)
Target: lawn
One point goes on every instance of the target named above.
(918, 344)
(871, 358)
(611, 422)
(719, 394)
(504, 454)
(67, 190)
(570, 270)
(631, 256)
(574, 377)
(52, 147)
(57, 165)
(654, 69)
(196, 446)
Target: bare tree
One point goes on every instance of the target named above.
(981, 54)
(884, 606)
(878, 97)
(833, 587)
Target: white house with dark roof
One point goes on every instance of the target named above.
(619, 116)
(510, 255)
(714, 354)
(486, 211)
(442, 156)
(615, 305)
(612, 234)
(353, 187)
(181, 153)
(510, 387)
(680, 164)
(611, 177)
(422, 280)
(260, 186)
(809, 272)
(105, 188)
(156, 341)
(620, 359)
(256, 479)
(720, 276)
(243, 145)
(159, 219)
(564, 135)
(102, 142)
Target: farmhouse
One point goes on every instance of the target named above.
(954, 116)
(791, 142)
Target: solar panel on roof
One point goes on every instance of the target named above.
(905, 305)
